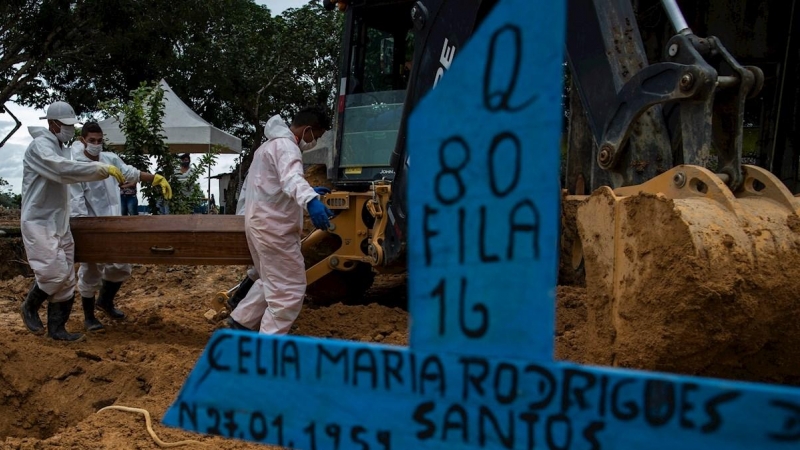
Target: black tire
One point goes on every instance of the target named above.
(347, 287)
(339, 286)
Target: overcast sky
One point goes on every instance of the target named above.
(11, 153)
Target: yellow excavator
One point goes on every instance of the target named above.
(685, 251)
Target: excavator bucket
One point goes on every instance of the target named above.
(686, 276)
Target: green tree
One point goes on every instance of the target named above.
(256, 65)
(231, 61)
(141, 121)
(244, 65)
(8, 199)
(315, 36)
(197, 197)
(227, 67)
(31, 33)
(82, 50)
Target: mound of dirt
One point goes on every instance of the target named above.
(12, 252)
(50, 391)
(709, 291)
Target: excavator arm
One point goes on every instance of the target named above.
(670, 129)
(688, 255)
(701, 86)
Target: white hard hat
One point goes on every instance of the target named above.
(62, 112)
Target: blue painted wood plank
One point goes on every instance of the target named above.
(308, 393)
(484, 190)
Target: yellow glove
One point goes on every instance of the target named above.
(114, 172)
(166, 189)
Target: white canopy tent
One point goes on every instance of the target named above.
(186, 132)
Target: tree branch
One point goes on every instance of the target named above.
(15, 84)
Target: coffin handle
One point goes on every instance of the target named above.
(162, 250)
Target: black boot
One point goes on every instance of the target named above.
(241, 292)
(105, 301)
(30, 309)
(234, 325)
(90, 322)
(57, 316)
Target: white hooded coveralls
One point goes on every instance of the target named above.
(277, 195)
(44, 221)
(240, 204)
(99, 199)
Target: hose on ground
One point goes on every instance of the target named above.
(149, 424)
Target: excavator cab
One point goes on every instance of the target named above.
(393, 53)
(377, 62)
(378, 50)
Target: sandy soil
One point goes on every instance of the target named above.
(708, 291)
(50, 392)
(12, 255)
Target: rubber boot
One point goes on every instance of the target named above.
(30, 309)
(90, 322)
(234, 325)
(241, 292)
(105, 301)
(57, 316)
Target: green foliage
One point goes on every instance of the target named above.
(30, 33)
(243, 65)
(313, 38)
(84, 50)
(141, 120)
(232, 61)
(8, 199)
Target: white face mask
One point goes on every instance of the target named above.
(94, 149)
(66, 133)
(307, 145)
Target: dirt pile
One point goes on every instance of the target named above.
(706, 292)
(49, 391)
(734, 324)
(12, 252)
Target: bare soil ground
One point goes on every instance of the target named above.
(50, 392)
(12, 255)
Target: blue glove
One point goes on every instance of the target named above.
(319, 214)
(322, 190)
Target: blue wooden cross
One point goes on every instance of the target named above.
(484, 220)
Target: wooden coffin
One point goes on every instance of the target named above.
(175, 240)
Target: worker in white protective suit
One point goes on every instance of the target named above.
(102, 199)
(44, 222)
(277, 195)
